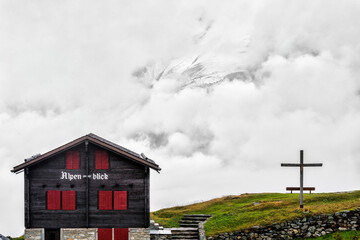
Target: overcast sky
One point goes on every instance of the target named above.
(218, 93)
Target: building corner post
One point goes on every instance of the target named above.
(301, 178)
(87, 182)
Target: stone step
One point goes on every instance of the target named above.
(198, 215)
(183, 229)
(197, 238)
(189, 221)
(199, 219)
(193, 235)
(183, 237)
(194, 225)
(183, 232)
(189, 227)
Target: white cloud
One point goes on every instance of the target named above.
(69, 68)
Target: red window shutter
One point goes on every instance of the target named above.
(69, 160)
(105, 160)
(104, 234)
(102, 200)
(76, 156)
(101, 160)
(72, 159)
(68, 200)
(121, 234)
(105, 200)
(120, 200)
(98, 160)
(53, 200)
(109, 200)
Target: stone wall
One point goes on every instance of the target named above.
(312, 226)
(202, 235)
(78, 233)
(34, 234)
(139, 233)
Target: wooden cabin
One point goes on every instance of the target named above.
(89, 184)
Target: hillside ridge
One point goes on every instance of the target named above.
(236, 212)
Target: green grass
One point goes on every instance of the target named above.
(234, 213)
(347, 235)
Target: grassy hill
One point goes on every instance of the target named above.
(233, 213)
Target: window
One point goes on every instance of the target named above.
(120, 200)
(72, 159)
(56, 198)
(53, 200)
(68, 200)
(101, 159)
(105, 200)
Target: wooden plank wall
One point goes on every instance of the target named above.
(124, 175)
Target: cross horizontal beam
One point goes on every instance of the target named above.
(290, 165)
(304, 165)
(312, 164)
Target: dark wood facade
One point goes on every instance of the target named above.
(125, 173)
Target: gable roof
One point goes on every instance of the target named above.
(138, 158)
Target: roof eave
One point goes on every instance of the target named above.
(78, 141)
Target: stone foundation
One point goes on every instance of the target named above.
(34, 234)
(78, 233)
(139, 234)
(83, 234)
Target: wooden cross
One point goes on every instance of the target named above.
(301, 165)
